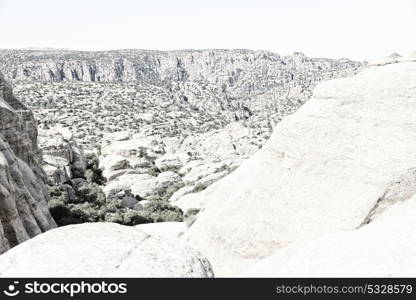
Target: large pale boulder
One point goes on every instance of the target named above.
(114, 163)
(230, 142)
(116, 136)
(168, 162)
(383, 248)
(198, 171)
(326, 168)
(181, 192)
(189, 201)
(167, 179)
(137, 146)
(103, 250)
(143, 185)
(63, 159)
(114, 166)
(23, 196)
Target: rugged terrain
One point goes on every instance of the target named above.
(331, 193)
(164, 124)
(103, 250)
(174, 93)
(24, 213)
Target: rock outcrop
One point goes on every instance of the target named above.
(103, 250)
(63, 159)
(23, 196)
(141, 165)
(214, 65)
(327, 168)
(384, 248)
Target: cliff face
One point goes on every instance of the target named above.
(248, 71)
(23, 195)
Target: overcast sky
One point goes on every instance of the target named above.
(357, 29)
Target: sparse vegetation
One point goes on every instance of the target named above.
(93, 173)
(167, 103)
(92, 206)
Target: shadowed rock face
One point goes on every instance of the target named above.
(23, 195)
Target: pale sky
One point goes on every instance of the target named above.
(357, 29)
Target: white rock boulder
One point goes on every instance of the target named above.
(103, 250)
(168, 162)
(198, 171)
(63, 159)
(143, 185)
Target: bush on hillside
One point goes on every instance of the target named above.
(93, 174)
(91, 205)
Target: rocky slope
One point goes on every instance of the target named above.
(23, 195)
(173, 93)
(191, 116)
(63, 160)
(103, 250)
(334, 165)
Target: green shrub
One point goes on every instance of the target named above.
(163, 211)
(191, 212)
(168, 192)
(154, 171)
(199, 187)
(190, 216)
(91, 204)
(60, 212)
(93, 174)
(91, 193)
(155, 211)
(55, 191)
(133, 217)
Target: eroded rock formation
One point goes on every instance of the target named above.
(23, 195)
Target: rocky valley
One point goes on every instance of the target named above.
(162, 125)
(233, 162)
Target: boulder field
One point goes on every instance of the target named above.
(332, 193)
